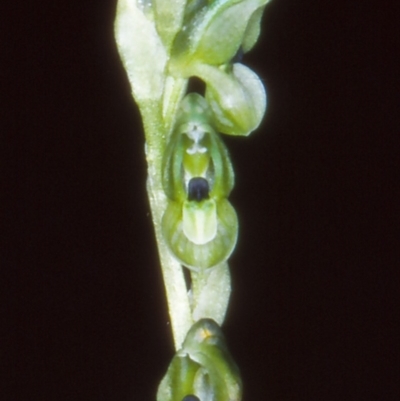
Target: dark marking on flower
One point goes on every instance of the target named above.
(191, 397)
(198, 189)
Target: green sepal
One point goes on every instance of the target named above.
(236, 96)
(193, 109)
(202, 367)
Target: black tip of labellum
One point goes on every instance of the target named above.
(196, 85)
(190, 397)
(198, 189)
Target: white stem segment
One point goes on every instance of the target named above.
(211, 292)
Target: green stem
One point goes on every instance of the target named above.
(175, 286)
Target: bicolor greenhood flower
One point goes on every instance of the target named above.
(200, 226)
(202, 367)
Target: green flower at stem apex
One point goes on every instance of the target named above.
(200, 226)
(203, 367)
(208, 41)
(193, 38)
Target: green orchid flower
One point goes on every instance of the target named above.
(202, 368)
(208, 41)
(199, 225)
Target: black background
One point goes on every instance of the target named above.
(313, 308)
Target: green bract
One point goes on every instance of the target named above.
(142, 51)
(168, 18)
(215, 31)
(200, 225)
(202, 367)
